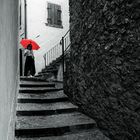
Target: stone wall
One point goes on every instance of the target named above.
(8, 66)
(103, 73)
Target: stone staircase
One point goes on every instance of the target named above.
(44, 112)
(51, 71)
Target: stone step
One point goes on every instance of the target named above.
(54, 125)
(32, 85)
(38, 90)
(41, 101)
(46, 112)
(32, 79)
(38, 75)
(36, 82)
(49, 95)
(47, 75)
(49, 67)
(49, 70)
(92, 134)
(44, 74)
(47, 106)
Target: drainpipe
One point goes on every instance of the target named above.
(63, 62)
(25, 18)
(25, 33)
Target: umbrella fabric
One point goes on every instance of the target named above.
(26, 42)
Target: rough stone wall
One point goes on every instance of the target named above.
(8, 66)
(103, 73)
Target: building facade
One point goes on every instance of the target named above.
(22, 33)
(47, 22)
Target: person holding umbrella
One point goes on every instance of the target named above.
(29, 69)
(29, 45)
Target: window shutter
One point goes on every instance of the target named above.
(59, 21)
(49, 19)
(54, 14)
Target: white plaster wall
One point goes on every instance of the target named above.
(22, 31)
(49, 36)
(8, 66)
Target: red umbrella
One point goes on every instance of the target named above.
(26, 42)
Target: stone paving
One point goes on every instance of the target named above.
(50, 115)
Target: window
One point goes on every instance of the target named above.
(54, 15)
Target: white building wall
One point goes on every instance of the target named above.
(8, 67)
(44, 35)
(21, 34)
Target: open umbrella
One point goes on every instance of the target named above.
(26, 42)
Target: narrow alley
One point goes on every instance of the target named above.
(44, 112)
(69, 70)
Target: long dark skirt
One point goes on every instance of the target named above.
(29, 68)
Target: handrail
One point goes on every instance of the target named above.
(52, 54)
(58, 49)
(67, 33)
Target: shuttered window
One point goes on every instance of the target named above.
(54, 15)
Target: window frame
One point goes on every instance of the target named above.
(54, 18)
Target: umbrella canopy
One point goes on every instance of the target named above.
(26, 42)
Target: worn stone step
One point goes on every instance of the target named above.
(39, 75)
(43, 72)
(45, 106)
(36, 82)
(32, 85)
(38, 90)
(54, 125)
(49, 70)
(32, 79)
(48, 75)
(93, 134)
(62, 99)
(41, 82)
(48, 95)
(46, 112)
